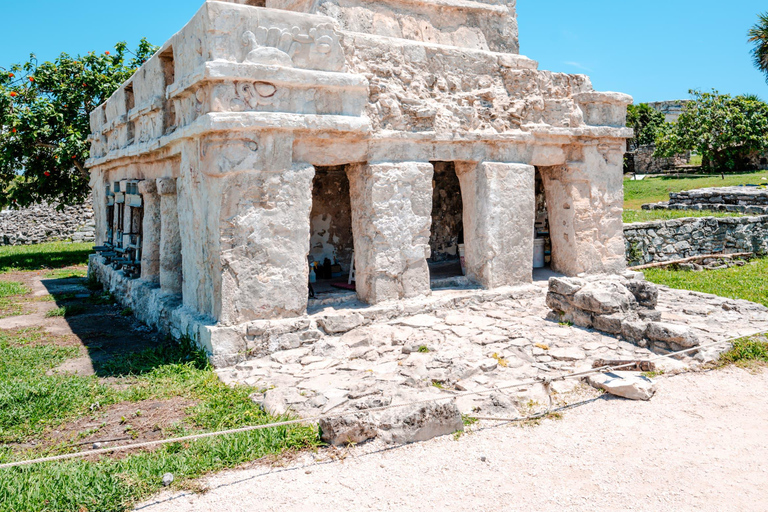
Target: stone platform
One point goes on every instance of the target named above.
(747, 199)
(470, 344)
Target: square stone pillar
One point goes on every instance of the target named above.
(127, 217)
(499, 216)
(150, 243)
(585, 201)
(265, 231)
(391, 220)
(171, 274)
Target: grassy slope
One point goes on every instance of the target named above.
(748, 282)
(33, 402)
(654, 190)
(631, 216)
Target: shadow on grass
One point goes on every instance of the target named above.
(44, 256)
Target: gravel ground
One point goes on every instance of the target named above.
(698, 445)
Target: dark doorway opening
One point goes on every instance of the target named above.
(446, 239)
(542, 245)
(331, 247)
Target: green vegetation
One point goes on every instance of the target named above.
(423, 349)
(32, 402)
(747, 353)
(646, 122)
(44, 256)
(747, 282)
(11, 288)
(66, 311)
(44, 121)
(657, 189)
(42, 411)
(725, 130)
(631, 216)
(758, 35)
(68, 273)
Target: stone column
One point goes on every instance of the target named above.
(150, 242)
(499, 216)
(127, 218)
(585, 203)
(170, 239)
(391, 220)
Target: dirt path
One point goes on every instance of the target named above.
(698, 445)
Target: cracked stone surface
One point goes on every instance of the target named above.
(482, 346)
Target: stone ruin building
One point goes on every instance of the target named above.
(269, 134)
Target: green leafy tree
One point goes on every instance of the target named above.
(646, 121)
(44, 121)
(723, 129)
(758, 35)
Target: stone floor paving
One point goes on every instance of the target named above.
(482, 346)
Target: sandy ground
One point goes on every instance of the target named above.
(700, 444)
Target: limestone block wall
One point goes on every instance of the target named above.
(46, 223)
(651, 242)
(234, 118)
(642, 161)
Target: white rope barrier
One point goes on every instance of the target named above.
(546, 381)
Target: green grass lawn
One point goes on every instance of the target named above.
(748, 282)
(631, 216)
(656, 189)
(44, 413)
(54, 255)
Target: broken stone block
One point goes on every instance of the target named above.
(352, 429)
(649, 315)
(608, 323)
(336, 324)
(670, 333)
(646, 294)
(624, 384)
(604, 298)
(420, 423)
(558, 303)
(565, 285)
(634, 331)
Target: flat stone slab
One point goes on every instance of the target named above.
(483, 345)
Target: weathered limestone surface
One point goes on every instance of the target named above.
(497, 255)
(150, 256)
(170, 238)
(240, 107)
(391, 214)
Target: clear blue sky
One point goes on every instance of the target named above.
(653, 50)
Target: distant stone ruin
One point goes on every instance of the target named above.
(47, 223)
(274, 142)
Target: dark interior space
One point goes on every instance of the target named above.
(447, 222)
(331, 241)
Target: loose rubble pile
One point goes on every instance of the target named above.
(619, 305)
(45, 223)
(350, 360)
(752, 200)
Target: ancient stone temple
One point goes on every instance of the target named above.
(274, 142)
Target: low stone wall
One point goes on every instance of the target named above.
(651, 242)
(642, 161)
(44, 223)
(752, 200)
